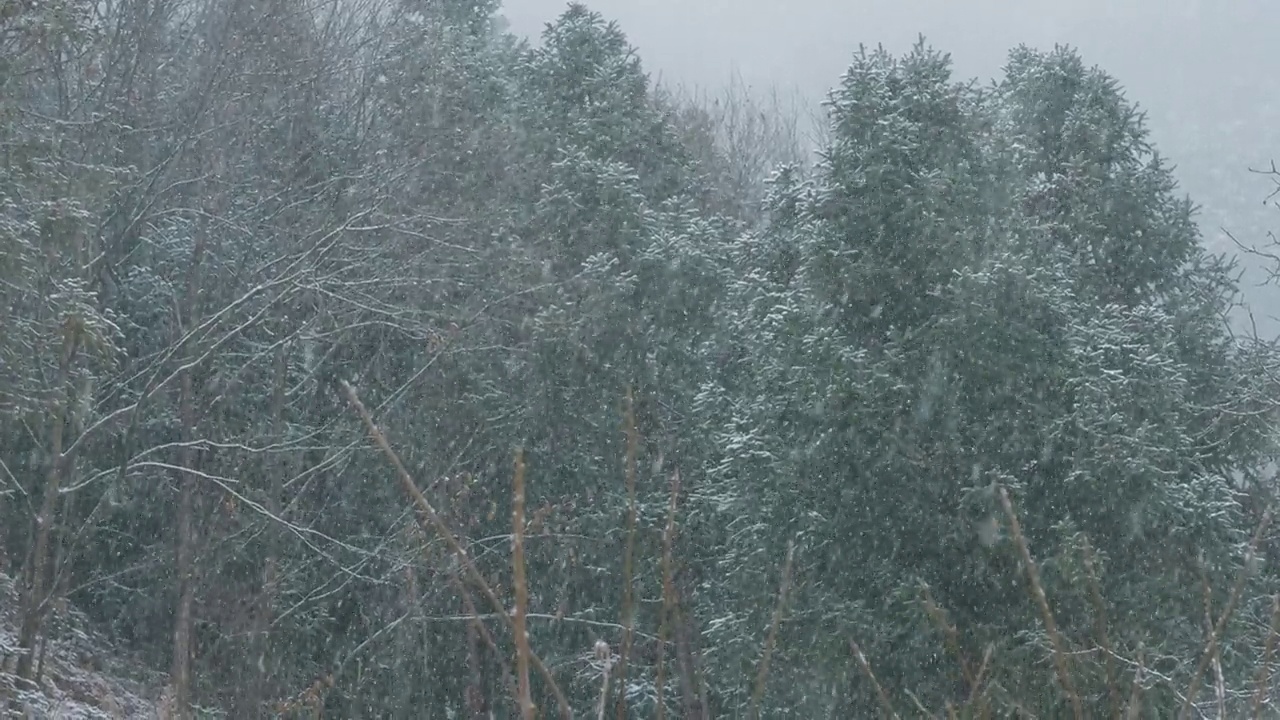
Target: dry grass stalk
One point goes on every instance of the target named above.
(1215, 637)
(1100, 629)
(883, 697)
(919, 705)
(427, 515)
(762, 676)
(1263, 681)
(473, 615)
(949, 632)
(668, 594)
(628, 610)
(1046, 614)
(975, 692)
(527, 709)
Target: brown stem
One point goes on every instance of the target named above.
(628, 612)
(668, 594)
(974, 695)
(762, 675)
(184, 552)
(1046, 614)
(180, 675)
(275, 469)
(1215, 636)
(476, 705)
(1264, 667)
(1100, 629)
(483, 631)
(527, 709)
(949, 633)
(883, 697)
(1216, 661)
(427, 516)
(692, 687)
(34, 599)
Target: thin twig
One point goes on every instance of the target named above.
(915, 700)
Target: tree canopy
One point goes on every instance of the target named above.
(767, 450)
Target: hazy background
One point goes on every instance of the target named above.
(1206, 71)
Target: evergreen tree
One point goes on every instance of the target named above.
(930, 341)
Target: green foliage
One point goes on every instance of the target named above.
(971, 289)
(942, 332)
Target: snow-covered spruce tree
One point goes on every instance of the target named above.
(914, 330)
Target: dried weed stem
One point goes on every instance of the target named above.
(427, 516)
(762, 675)
(527, 709)
(628, 590)
(1046, 614)
(1215, 636)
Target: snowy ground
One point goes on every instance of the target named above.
(82, 678)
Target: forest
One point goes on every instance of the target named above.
(359, 359)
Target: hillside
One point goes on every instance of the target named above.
(83, 677)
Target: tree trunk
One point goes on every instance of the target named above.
(35, 600)
(693, 694)
(184, 522)
(275, 470)
(180, 674)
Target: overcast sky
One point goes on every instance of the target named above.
(1208, 71)
(1154, 46)
(1197, 65)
